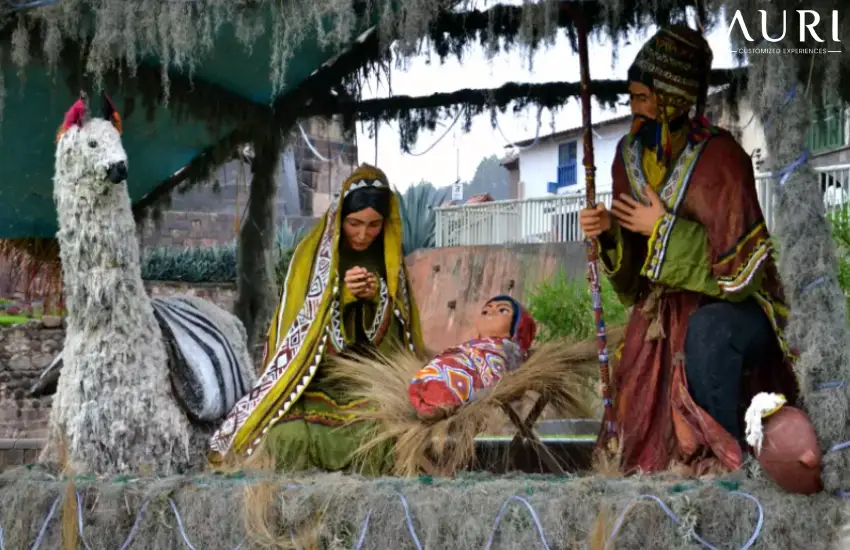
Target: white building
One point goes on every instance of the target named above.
(553, 164)
(547, 177)
(828, 144)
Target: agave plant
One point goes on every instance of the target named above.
(418, 216)
(286, 240)
(209, 264)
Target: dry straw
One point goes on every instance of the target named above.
(562, 373)
(329, 511)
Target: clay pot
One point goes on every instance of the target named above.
(790, 453)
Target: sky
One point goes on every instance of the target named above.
(436, 160)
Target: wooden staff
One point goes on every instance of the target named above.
(608, 435)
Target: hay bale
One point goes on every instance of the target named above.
(329, 511)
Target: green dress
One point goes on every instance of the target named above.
(292, 409)
(316, 432)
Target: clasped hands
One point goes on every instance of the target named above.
(629, 213)
(362, 284)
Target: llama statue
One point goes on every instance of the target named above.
(142, 381)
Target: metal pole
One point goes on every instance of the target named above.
(608, 436)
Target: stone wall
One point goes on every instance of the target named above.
(185, 229)
(189, 229)
(25, 351)
(211, 213)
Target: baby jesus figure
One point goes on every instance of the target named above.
(463, 373)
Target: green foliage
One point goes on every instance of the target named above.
(285, 242)
(12, 320)
(418, 216)
(288, 238)
(213, 264)
(840, 224)
(562, 308)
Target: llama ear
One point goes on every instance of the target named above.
(109, 112)
(106, 106)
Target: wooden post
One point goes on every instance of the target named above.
(608, 435)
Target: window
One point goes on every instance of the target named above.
(567, 164)
(827, 129)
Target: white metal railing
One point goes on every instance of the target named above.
(554, 219)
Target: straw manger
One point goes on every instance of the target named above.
(561, 375)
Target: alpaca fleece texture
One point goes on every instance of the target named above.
(807, 258)
(113, 401)
(114, 408)
(328, 511)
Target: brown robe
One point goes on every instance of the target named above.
(712, 245)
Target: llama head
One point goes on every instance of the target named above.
(90, 158)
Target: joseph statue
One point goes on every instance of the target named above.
(686, 245)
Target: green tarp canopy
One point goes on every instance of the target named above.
(36, 102)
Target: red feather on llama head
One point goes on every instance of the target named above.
(79, 113)
(75, 116)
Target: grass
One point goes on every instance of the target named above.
(11, 320)
(562, 308)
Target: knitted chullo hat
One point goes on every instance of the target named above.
(675, 63)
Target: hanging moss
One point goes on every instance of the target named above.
(415, 114)
(502, 27)
(180, 35)
(102, 40)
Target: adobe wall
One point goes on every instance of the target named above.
(450, 284)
